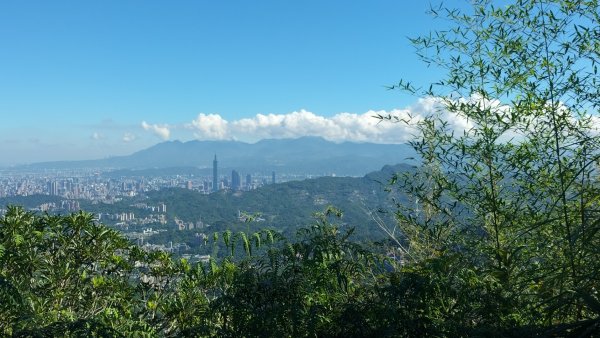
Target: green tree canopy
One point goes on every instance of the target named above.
(512, 198)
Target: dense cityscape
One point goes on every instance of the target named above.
(100, 185)
(140, 221)
(96, 187)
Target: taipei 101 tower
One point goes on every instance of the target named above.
(215, 176)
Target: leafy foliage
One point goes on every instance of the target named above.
(69, 275)
(509, 204)
(503, 242)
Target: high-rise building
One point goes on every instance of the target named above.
(236, 183)
(248, 182)
(215, 175)
(273, 178)
(53, 188)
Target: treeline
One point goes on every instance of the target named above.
(68, 276)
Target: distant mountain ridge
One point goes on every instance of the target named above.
(313, 155)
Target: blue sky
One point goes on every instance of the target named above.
(83, 79)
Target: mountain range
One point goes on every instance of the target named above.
(311, 155)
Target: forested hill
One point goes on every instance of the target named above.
(282, 206)
(288, 205)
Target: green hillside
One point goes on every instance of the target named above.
(283, 206)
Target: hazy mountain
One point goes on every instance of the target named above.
(307, 155)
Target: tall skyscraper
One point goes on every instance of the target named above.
(248, 182)
(162, 207)
(215, 175)
(53, 188)
(236, 183)
(273, 178)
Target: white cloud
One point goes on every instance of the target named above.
(211, 126)
(128, 137)
(340, 127)
(160, 130)
(97, 136)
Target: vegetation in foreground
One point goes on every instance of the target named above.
(503, 240)
(68, 276)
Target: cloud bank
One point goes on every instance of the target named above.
(341, 127)
(338, 128)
